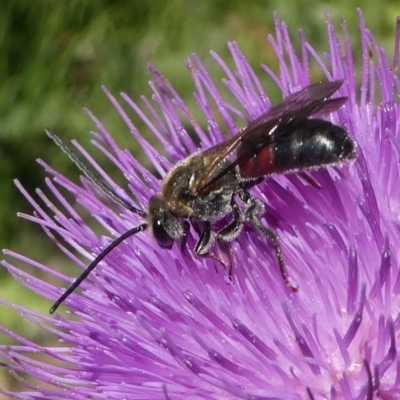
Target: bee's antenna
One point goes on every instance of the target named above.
(93, 177)
(113, 196)
(93, 264)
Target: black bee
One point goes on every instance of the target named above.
(205, 187)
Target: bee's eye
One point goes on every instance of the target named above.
(161, 235)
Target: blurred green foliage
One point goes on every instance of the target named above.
(54, 55)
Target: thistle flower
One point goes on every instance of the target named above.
(153, 323)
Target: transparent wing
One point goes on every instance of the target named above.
(313, 99)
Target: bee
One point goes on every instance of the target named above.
(207, 186)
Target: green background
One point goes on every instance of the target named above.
(56, 54)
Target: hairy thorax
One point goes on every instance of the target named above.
(184, 193)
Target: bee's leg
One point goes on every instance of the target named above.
(205, 242)
(184, 238)
(255, 209)
(228, 233)
(223, 237)
(227, 249)
(232, 230)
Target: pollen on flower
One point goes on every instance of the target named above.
(158, 323)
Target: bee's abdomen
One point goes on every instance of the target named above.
(301, 144)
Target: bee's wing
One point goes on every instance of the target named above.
(308, 101)
(261, 132)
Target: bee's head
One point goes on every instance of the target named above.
(164, 225)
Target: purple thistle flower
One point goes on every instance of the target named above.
(155, 323)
